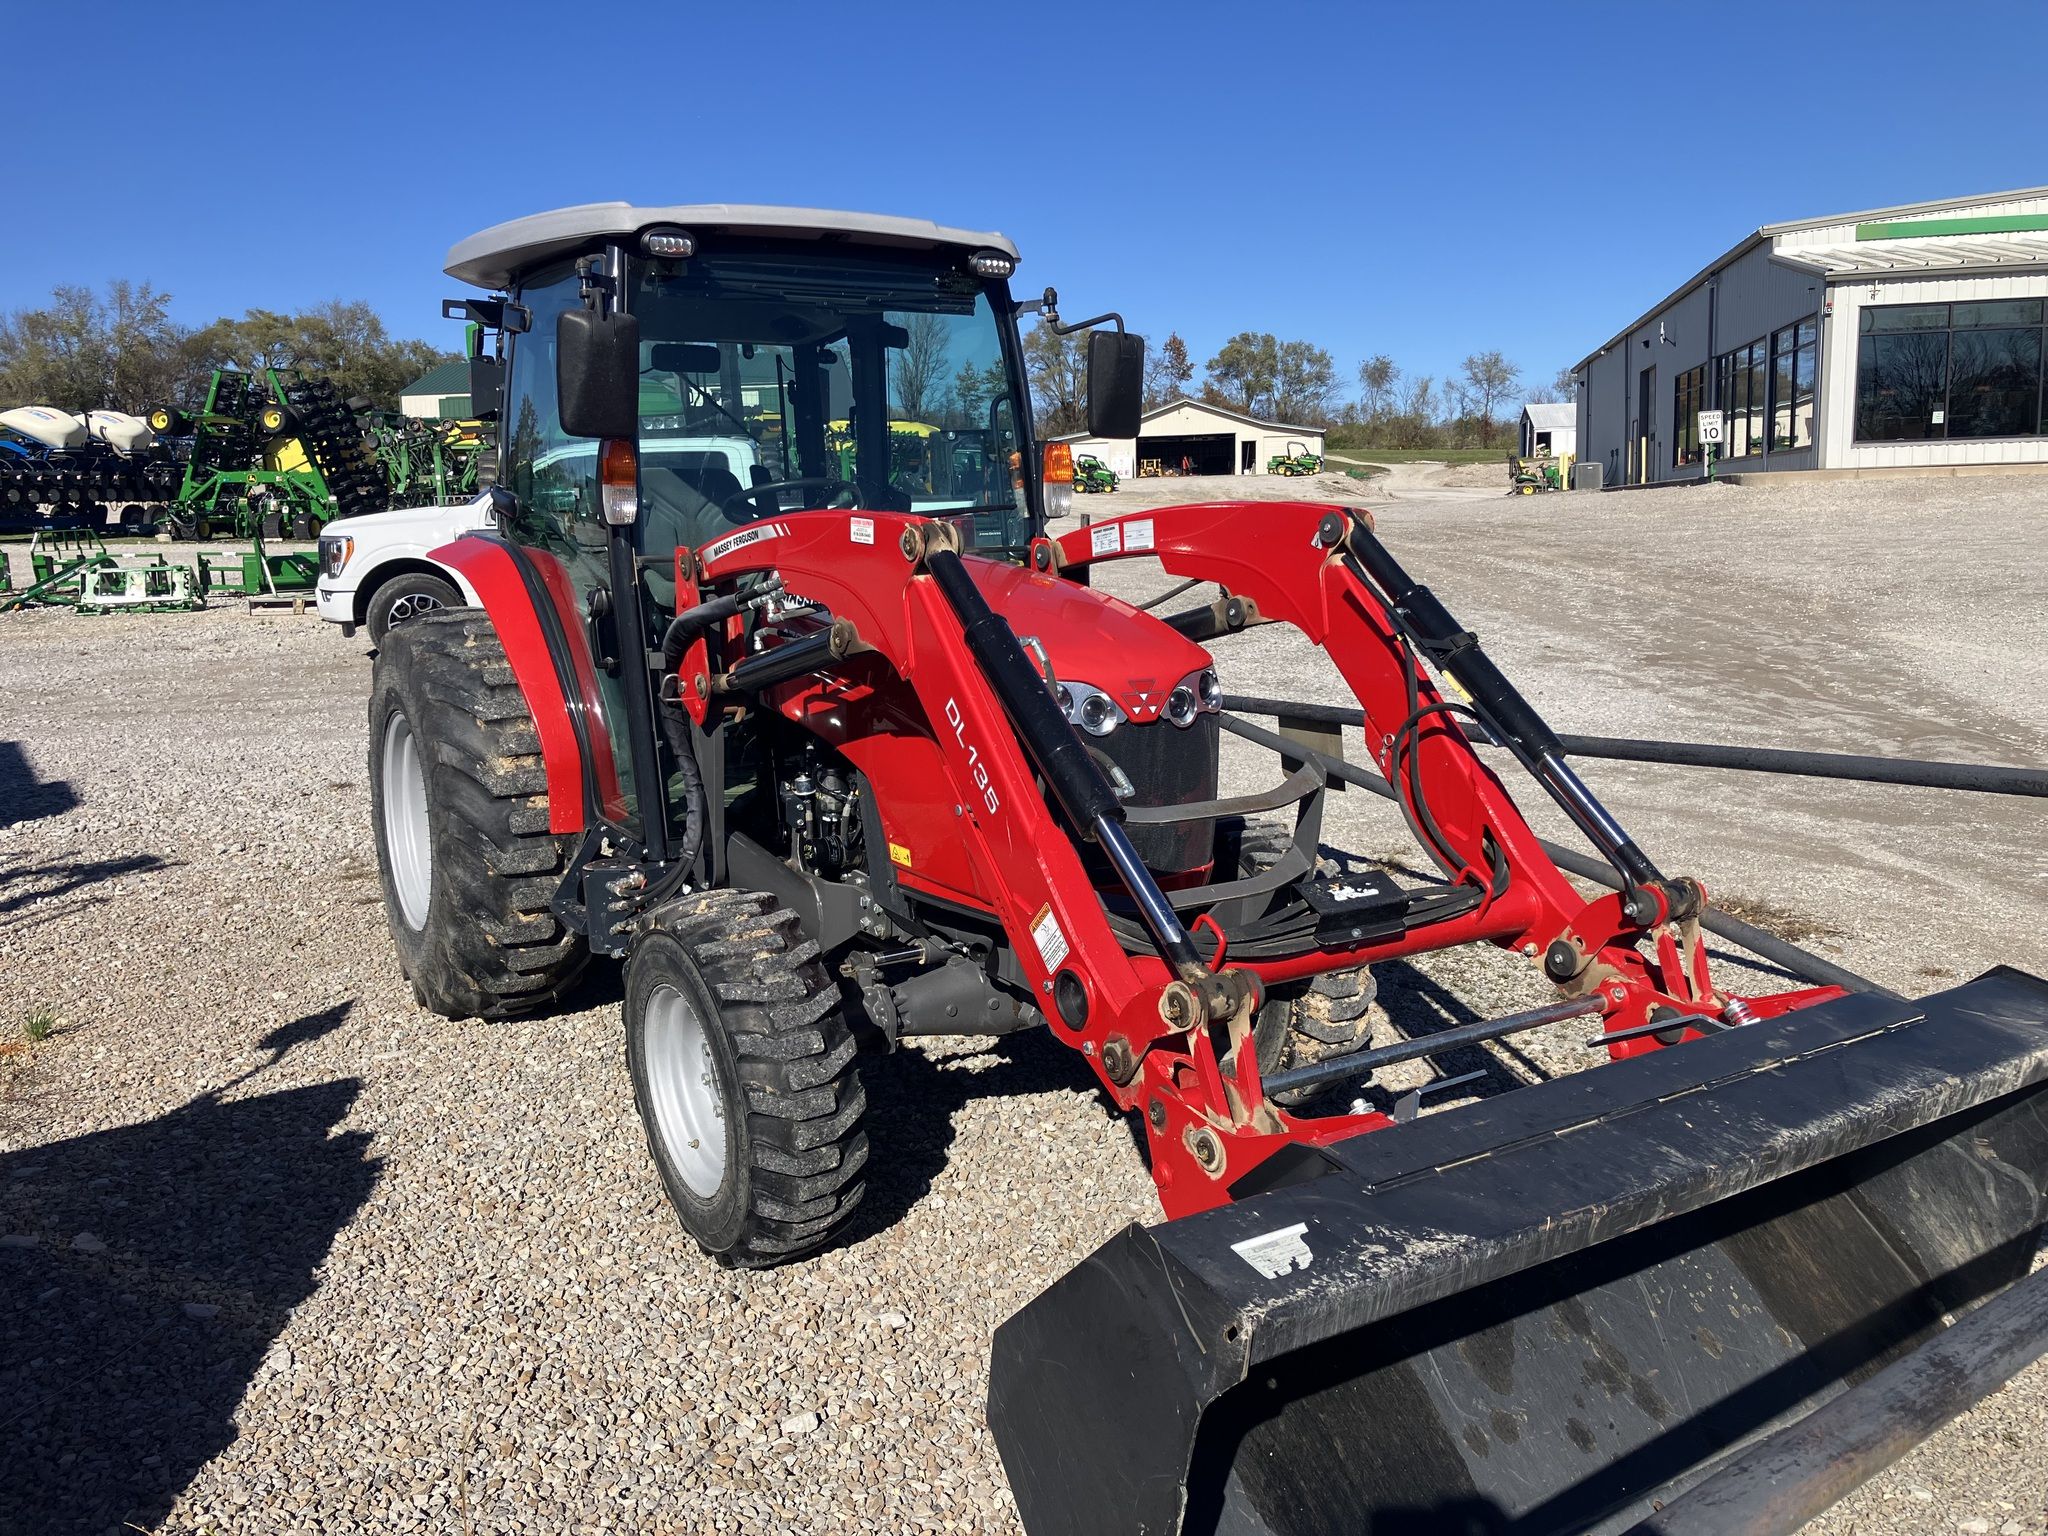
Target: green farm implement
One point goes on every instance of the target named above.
(1091, 474)
(272, 454)
(426, 463)
(1297, 460)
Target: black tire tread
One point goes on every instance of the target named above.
(780, 1011)
(503, 952)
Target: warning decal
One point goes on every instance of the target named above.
(1106, 538)
(1276, 1253)
(1045, 933)
(863, 530)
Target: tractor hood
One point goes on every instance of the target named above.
(1091, 637)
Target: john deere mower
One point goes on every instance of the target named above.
(830, 763)
(1092, 475)
(1297, 460)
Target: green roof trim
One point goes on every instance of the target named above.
(450, 378)
(1989, 224)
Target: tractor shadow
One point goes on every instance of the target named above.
(145, 1273)
(914, 1095)
(23, 796)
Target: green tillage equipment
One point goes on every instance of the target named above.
(425, 463)
(272, 454)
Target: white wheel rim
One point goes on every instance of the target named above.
(412, 605)
(689, 1111)
(406, 841)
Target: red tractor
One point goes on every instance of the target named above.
(832, 756)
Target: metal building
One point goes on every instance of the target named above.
(1197, 438)
(1900, 338)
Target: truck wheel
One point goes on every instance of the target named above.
(459, 799)
(742, 1067)
(407, 597)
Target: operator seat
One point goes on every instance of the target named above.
(682, 507)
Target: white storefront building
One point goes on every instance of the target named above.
(1901, 338)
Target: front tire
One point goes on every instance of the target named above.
(405, 598)
(743, 1070)
(458, 796)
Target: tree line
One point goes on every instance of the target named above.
(121, 350)
(1297, 382)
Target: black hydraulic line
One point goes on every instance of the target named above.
(1360, 1063)
(1787, 1478)
(1920, 773)
(1455, 649)
(1050, 741)
(1800, 962)
(1172, 592)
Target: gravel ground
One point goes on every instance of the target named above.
(278, 1251)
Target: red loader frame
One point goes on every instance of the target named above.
(1170, 1039)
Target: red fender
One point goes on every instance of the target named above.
(491, 568)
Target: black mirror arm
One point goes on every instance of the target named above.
(1086, 325)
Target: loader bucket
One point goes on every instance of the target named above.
(1551, 1311)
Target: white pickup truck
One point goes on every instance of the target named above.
(378, 570)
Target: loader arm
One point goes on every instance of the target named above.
(1165, 1034)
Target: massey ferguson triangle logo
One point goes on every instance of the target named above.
(974, 764)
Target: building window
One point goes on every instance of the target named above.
(1935, 372)
(1792, 354)
(1743, 379)
(1688, 399)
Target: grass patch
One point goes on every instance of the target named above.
(40, 1023)
(1792, 927)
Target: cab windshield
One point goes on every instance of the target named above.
(772, 382)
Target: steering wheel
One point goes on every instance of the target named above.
(842, 494)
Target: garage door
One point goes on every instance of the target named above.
(1207, 453)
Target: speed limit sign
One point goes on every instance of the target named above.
(1713, 429)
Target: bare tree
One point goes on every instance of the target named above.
(1057, 367)
(1488, 379)
(1168, 372)
(918, 369)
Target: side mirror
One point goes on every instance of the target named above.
(1116, 383)
(597, 374)
(486, 387)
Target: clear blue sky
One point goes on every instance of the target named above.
(1423, 181)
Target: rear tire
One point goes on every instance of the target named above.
(404, 598)
(458, 796)
(743, 1070)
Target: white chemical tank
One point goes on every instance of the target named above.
(123, 433)
(53, 429)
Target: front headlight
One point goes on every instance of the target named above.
(334, 554)
(1090, 708)
(1196, 694)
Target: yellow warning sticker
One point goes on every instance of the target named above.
(898, 854)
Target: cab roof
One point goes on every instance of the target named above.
(491, 257)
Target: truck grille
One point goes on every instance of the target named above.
(1169, 766)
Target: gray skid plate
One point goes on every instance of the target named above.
(1539, 1313)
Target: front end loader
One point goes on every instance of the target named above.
(835, 757)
